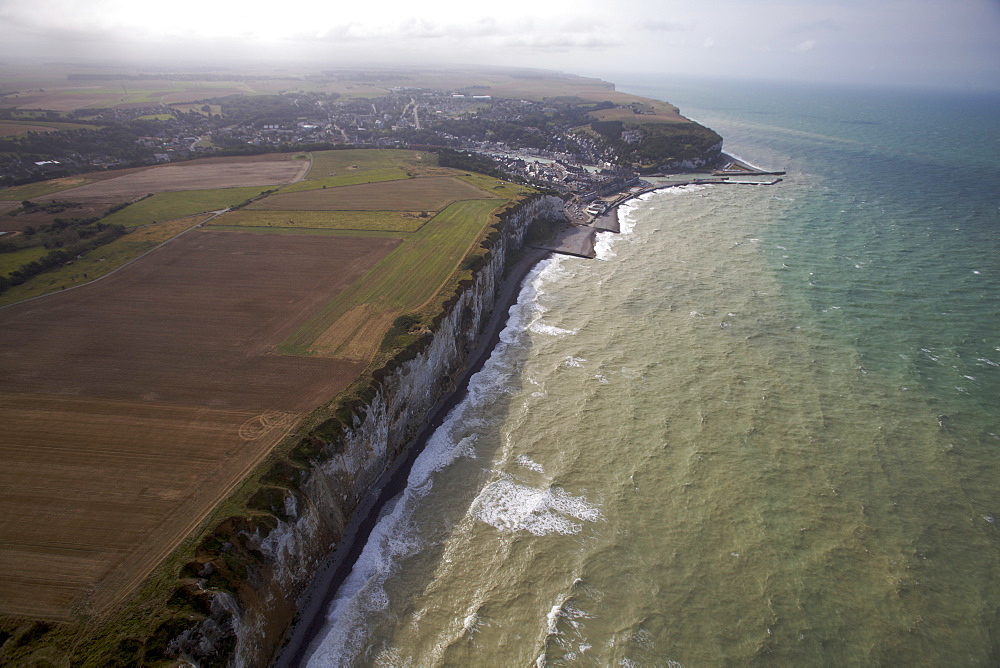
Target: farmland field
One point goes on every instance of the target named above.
(404, 281)
(96, 492)
(386, 221)
(331, 163)
(40, 217)
(12, 129)
(110, 93)
(151, 330)
(35, 190)
(32, 190)
(188, 176)
(426, 194)
(131, 406)
(101, 261)
(349, 178)
(179, 204)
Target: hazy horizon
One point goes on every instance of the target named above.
(911, 43)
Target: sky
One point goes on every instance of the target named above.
(924, 43)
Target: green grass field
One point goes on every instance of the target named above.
(349, 178)
(496, 186)
(16, 259)
(420, 194)
(31, 190)
(170, 205)
(410, 276)
(386, 221)
(213, 108)
(336, 163)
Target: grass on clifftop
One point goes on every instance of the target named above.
(349, 178)
(339, 163)
(410, 276)
(371, 221)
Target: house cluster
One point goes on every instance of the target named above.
(535, 141)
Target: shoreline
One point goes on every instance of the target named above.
(314, 602)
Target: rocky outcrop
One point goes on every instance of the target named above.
(251, 570)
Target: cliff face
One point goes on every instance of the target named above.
(309, 506)
(709, 158)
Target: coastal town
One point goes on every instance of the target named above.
(551, 144)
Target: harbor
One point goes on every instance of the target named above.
(579, 237)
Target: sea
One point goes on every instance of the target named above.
(761, 428)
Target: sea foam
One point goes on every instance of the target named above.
(512, 507)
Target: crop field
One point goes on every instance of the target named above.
(188, 176)
(425, 194)
(132, 405)
(350, 178)
(96, 492)
(47, 89)
(12, 129)
(64, 99)
(35, 190)
(110, 93)
(406, 280)
(333, 163)
(40, 217)
(384, 221)
(179, 204)
(101, 261)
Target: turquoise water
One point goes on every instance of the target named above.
(761, 428)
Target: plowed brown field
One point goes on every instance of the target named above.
(131, 406)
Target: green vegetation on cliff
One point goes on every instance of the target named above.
(653, 146)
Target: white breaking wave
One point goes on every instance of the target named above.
(540, 327)
(526, 462)
(511, 507)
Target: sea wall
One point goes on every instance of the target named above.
(251, 570)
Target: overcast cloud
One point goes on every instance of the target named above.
(906, 42)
